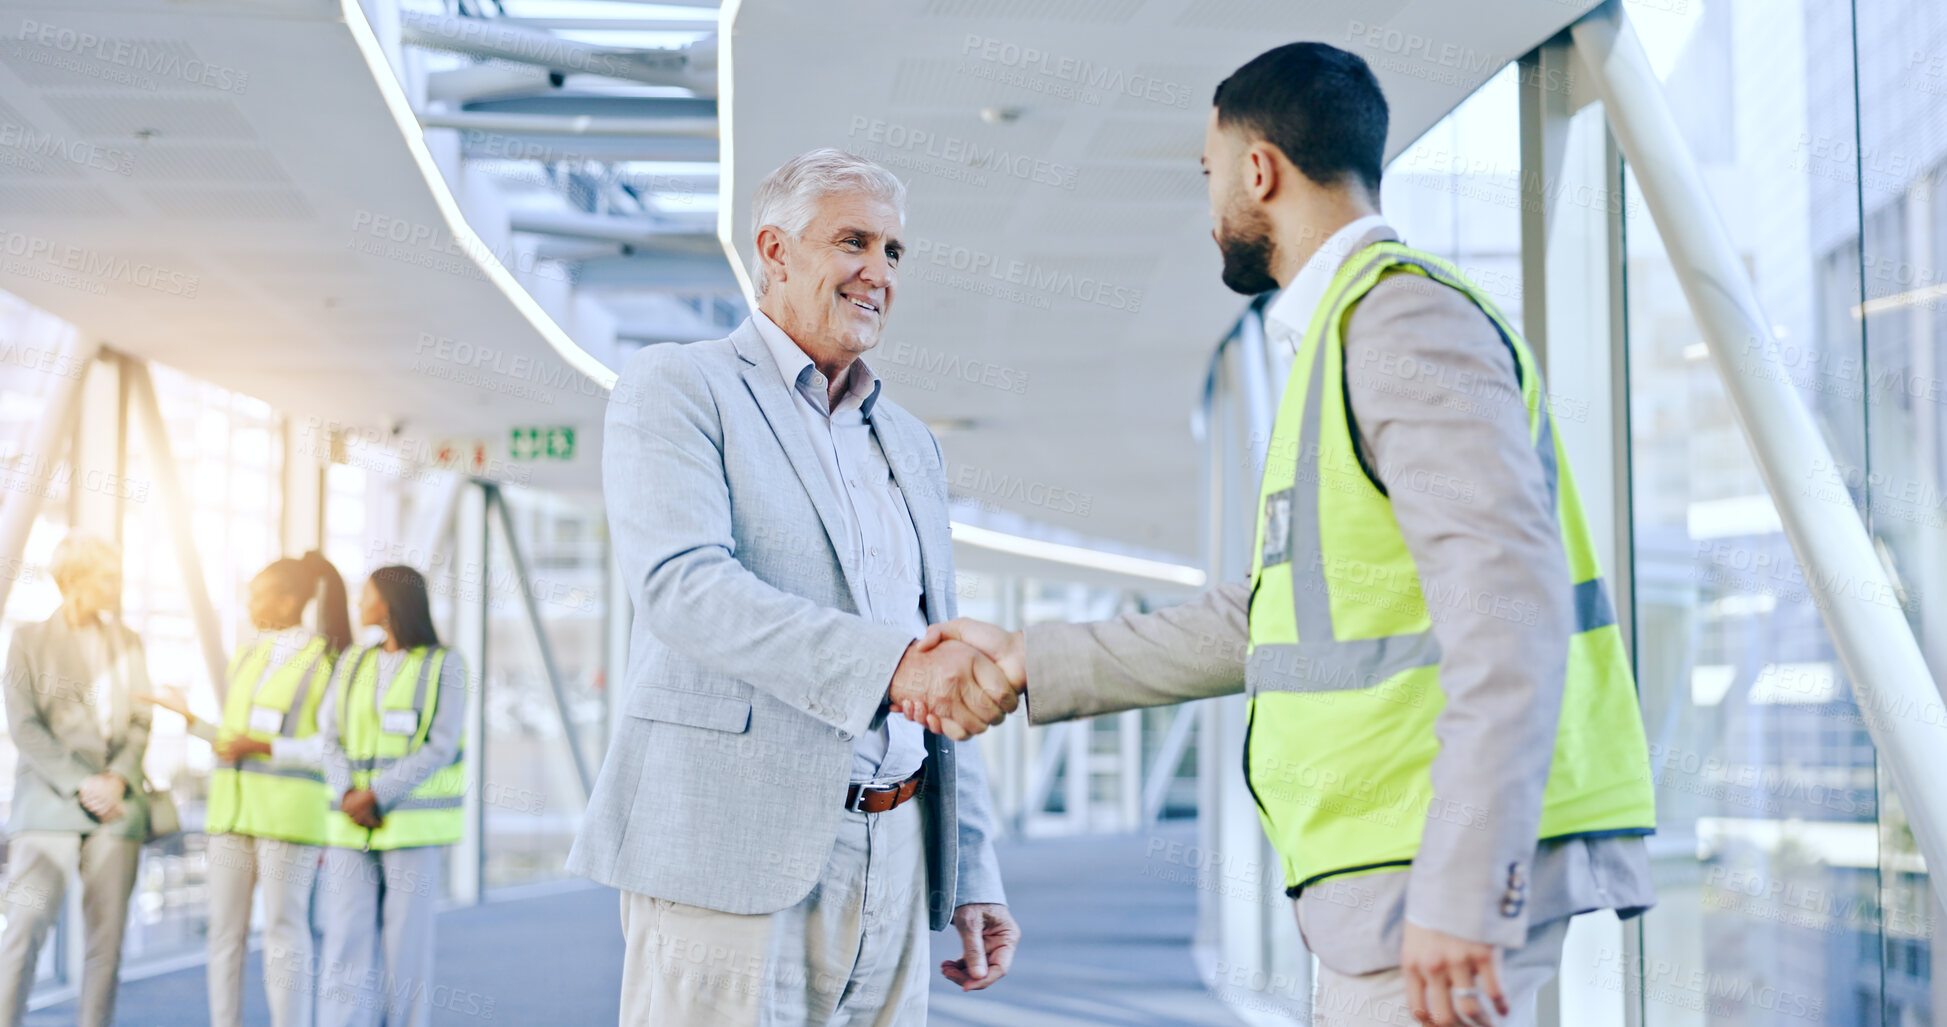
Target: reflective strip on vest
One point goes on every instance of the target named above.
(297, 773)
(1342, 671)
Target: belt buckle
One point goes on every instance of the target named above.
(857, 805)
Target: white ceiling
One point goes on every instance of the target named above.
(1072, 395)
(263, 192)
(249, 239)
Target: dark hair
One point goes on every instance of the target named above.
(409, 620)
(300, 579)
(1318, 104)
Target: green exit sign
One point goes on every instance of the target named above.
(542, 443)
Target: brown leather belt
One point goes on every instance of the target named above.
(862, 799)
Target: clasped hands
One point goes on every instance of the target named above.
(962, 678)
(362, 806)
(101, 794)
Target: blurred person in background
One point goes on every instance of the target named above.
(268, 798)
(392, 723)
(78, 789)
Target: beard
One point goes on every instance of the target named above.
(1244, 238)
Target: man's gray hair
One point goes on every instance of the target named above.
(788, 197)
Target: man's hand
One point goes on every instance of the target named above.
(101, 794)
(363, 807)
(987, 936)
(1450, 980)
(1006, 648)
(230, 750)
(955, 682)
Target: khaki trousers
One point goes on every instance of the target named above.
(1376, 999)
(853, 953)
(38, 863)
(286, 871)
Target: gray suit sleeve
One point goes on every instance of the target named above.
(56, 764)
(127, 760)
(669, 516)
(1439, 416)
(1194, 650)
(337, 769)
(442, 738)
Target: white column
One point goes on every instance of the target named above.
(301, 521)
(1009, 772)
(97, 458)
(1572, 321)
(1129, 770)
(51, 433)
(470, 637)
(175, 504)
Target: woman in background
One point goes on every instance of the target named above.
(392, 735)
(268, 799)
(71, 688)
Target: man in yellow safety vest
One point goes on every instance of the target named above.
(1444, 741)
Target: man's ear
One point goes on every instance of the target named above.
(770, 252)
(1262, 175)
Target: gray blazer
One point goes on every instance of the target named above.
(1502, 677)
(750, 671)
(54, 730)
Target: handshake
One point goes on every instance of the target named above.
(962, 678)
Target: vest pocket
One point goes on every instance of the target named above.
(691, 709)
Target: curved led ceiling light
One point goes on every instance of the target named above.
(1078, 556)
(727, 150)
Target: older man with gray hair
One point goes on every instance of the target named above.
(782, 529)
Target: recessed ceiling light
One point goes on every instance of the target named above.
(948, 425)
(1001, 115)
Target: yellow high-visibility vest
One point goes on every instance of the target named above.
(1343, 670)
(251, 796)
(374, 738)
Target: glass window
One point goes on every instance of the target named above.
(1898, 172)
(1768, 856)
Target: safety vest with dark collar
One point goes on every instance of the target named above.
(1343, 668)
(374, 736)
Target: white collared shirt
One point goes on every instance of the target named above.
(1291, 313)
(92, 637)
(879, 534)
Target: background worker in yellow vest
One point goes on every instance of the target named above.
(267, 803)
(1445, 746)
(392, 724)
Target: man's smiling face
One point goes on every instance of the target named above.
(835, 282)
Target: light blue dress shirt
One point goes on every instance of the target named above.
(880, 537)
